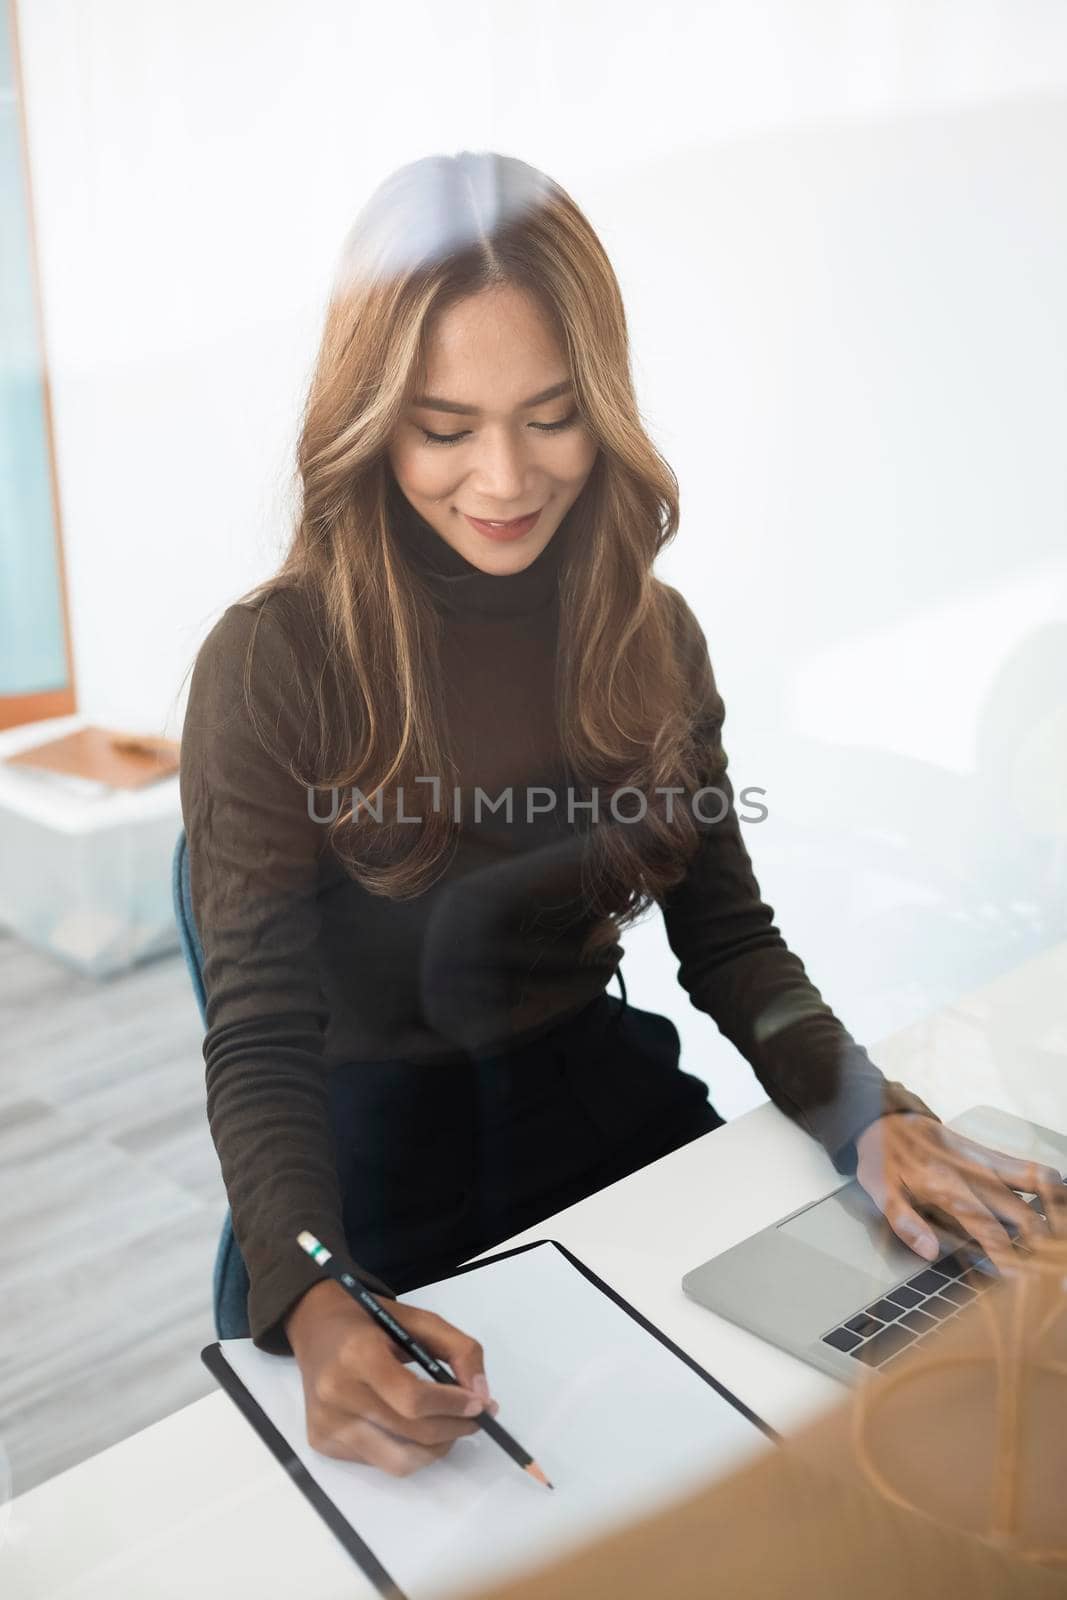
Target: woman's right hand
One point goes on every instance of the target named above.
(363, 1401)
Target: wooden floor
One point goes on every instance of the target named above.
(110, 1207)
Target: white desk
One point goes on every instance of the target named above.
(196, 1505)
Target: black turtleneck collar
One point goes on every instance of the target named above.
(460, 587)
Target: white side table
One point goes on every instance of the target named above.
(85, 870)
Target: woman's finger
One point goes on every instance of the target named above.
(972, 1217)
(890, 1197)
(356, 1439)
(448, 1343)
(428, 1430)
(1053, 1197)
(1027, 1176)
(904, 1220)
(1005, 1204)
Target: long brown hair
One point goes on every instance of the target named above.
(440, 229)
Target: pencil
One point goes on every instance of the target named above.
(400, 1336)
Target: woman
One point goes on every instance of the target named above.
(410, 1050)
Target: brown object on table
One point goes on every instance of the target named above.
(120, 760)
(813, 1518)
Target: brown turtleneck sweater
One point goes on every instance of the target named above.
(304, 970)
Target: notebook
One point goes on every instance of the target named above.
(620, 1418)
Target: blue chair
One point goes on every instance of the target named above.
(230, 1280)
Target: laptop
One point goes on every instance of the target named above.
(832, 1284)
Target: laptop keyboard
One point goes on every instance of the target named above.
(918, 1309)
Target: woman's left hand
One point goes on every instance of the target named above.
(906, 1160)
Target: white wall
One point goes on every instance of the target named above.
(841, 231)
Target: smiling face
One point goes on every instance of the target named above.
(497, 385)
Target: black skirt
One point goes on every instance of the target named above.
(437, 1163)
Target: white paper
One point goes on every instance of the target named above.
(618, 1423)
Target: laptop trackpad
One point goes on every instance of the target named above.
(848, 1227)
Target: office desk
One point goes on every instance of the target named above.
(197, 1505)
